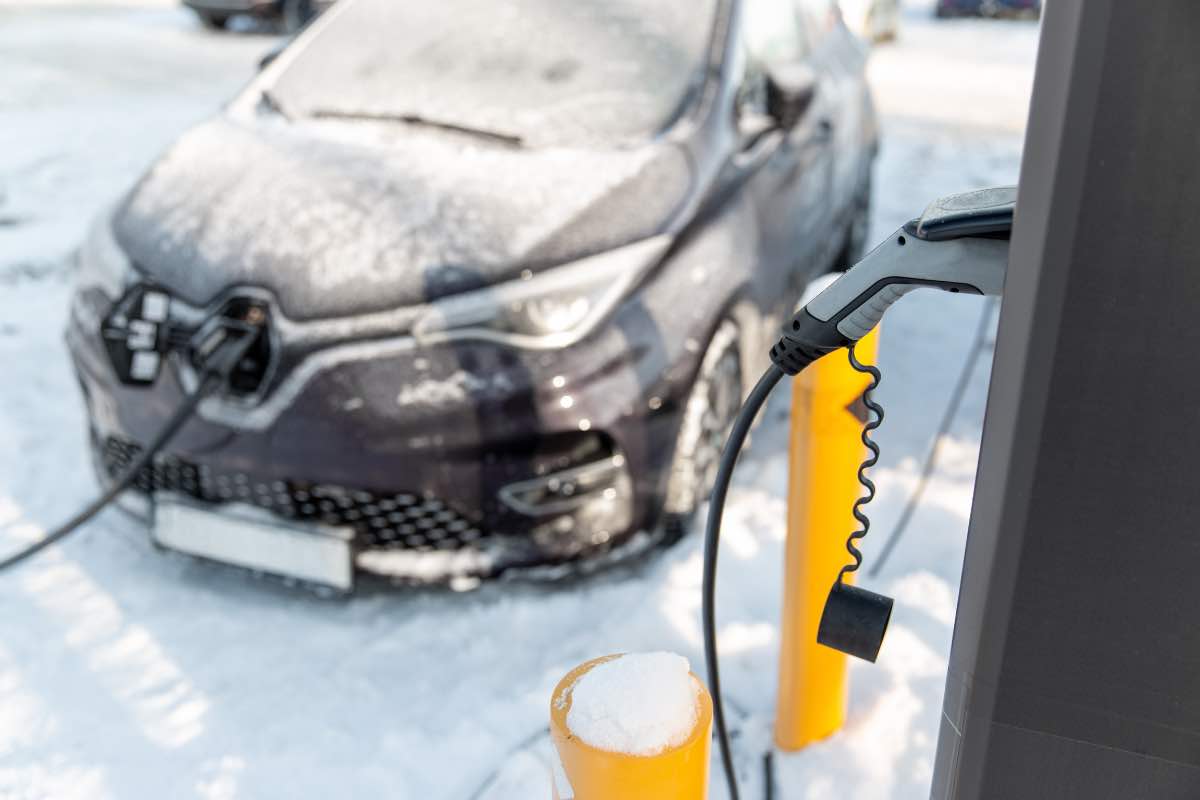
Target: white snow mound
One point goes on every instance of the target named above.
(639, 703)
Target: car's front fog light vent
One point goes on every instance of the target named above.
(566, 490)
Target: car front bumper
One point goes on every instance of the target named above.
(494, 456)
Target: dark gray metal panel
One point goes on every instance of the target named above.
(1110, 774)
(1076, 648)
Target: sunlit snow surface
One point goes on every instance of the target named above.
(129, 673)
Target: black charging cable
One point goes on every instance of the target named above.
(712, 537)
(222, 358)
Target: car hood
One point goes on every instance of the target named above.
(339, 218)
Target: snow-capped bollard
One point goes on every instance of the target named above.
(822, 487)
(632, 726)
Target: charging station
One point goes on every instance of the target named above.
(1075, 667)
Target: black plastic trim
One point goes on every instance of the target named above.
(806, 338)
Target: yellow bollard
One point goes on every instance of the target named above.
(825, 452)
(679, 773)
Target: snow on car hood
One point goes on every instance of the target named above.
(336, 220)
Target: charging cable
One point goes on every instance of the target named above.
(712, 537)
(222, 355)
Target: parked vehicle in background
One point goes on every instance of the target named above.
(988, 8)
(517, 263)
(292, 14)
(873, 20)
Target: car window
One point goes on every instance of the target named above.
(545, 72)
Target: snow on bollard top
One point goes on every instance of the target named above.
(639, 704)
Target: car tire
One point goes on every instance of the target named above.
(708, 414)
(297, 14)
(214, 20)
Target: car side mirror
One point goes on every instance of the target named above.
(790, 91)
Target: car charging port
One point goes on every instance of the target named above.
(250, 372)
(145, 328)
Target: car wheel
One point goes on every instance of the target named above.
(712, 405)
(297, 14)
(213, 19)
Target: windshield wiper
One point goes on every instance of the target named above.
(509, 139)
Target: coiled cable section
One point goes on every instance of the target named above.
(877, 410)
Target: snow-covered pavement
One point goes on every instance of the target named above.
(130, 673)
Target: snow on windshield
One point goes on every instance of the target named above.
(543, 71)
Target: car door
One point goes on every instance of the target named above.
(791, 190)
(841, 58)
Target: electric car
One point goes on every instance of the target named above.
(512, 267)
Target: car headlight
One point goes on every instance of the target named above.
(102, 262)
(553, 309)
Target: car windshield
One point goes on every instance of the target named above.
(532, 72)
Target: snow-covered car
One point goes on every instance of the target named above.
(293, 14)
(516, 264)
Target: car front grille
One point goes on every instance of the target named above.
(381, 519)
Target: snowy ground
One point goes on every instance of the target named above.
(127, 673)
